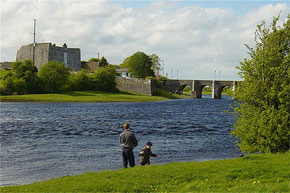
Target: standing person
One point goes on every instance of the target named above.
(146, 153)
(128, 141)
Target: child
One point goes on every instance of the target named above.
(145, 154)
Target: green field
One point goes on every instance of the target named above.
(90, 96)
(251, 173)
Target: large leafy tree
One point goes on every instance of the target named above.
(139, 65)
(22, 78)
(103, 62)
(124, 64)
(54, 76)
(263, 121)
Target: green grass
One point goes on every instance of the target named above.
(252, 173)
(169, 95)
(84, 96)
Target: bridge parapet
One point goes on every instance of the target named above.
(176, 85)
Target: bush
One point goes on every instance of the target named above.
(79, 81)
(54, 76)
(105, 78)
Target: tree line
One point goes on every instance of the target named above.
(24, 77)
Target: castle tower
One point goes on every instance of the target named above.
(45, 52)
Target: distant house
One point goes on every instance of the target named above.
(45, 52)
(6, 65)
(124, 72)
(91, 66)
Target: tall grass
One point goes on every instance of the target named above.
(252, 173)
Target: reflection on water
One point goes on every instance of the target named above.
(44, 140)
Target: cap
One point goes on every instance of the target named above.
(149, 143)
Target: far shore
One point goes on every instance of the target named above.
(91, 96)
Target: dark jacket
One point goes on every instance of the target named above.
(145, 158)
(128, 140)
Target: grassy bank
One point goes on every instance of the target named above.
(252, 173)
(89, 96)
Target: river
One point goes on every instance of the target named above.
(40, 141)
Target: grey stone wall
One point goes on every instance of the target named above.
(71, 57)
(141, 86)
(45, 52)
(41, 54)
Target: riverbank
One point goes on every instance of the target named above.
(251, 173)
(91, 96)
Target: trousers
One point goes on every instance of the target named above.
(128, 155)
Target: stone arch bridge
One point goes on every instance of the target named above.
(196, 86)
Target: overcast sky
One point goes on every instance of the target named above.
(196, 39)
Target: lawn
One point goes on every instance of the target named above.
(89, 96)
(251, 173)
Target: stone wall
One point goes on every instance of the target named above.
(71, 57)
(41, 54)
(141, 86)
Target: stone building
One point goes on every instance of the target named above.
(6, 65)
(45, 52)
(91, 66)
(124, 72)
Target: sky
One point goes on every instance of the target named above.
(194, 39)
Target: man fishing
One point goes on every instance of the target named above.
(128, 141)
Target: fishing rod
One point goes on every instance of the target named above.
(143, 134)
(146, 131)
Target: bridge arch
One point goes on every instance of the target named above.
(176, 85)
(196, 86)
(217, 87)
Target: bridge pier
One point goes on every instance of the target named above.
(217, 87)
(216, 90)
(197, 86)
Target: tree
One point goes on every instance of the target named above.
(140, 65)
(156, 66)
(124, 64)
(22, 78)
(103, 62)
(262, 115)
(94, 60)
(54, 75)
(105, 78)
(79, 81)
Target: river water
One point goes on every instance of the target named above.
(40, 141)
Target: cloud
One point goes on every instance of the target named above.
(195, 41)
